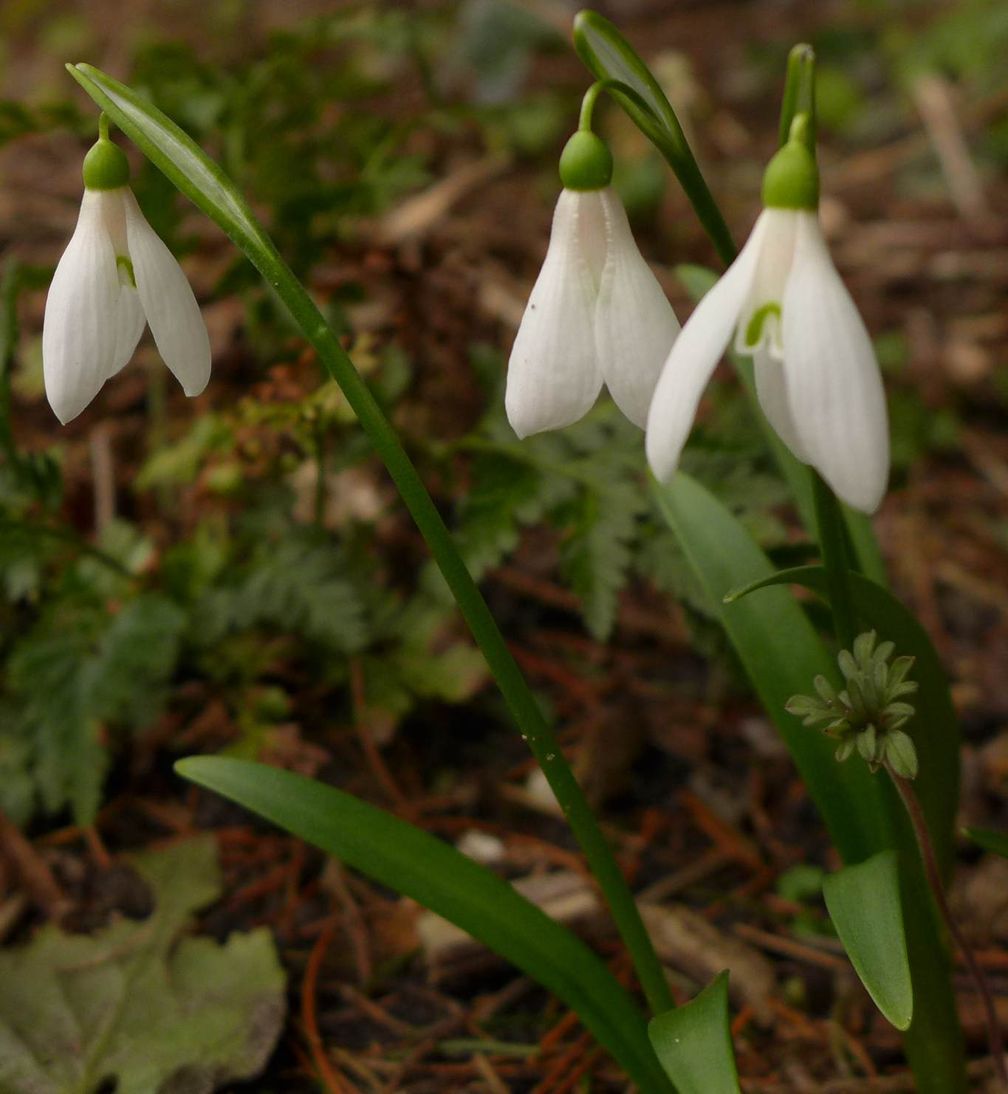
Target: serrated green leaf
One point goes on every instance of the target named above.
(864, 903)
(298, 586)
(135, 1005)
(399, 855)
(596, 555)
(694, 1042)
(81, 671)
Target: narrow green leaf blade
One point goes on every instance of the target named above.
(989, 840)
(694, 1043)
(405, 858)
(864, 903)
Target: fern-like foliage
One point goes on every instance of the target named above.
(80, 675)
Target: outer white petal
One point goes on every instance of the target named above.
(771, 391)
(79, 330)
(634, 322)
(168, 302)
(694, 357)
(553, 373)
(832, 377)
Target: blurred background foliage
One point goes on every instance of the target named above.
(235, 572)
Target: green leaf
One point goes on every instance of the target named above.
(694, 1042)
(989, 840)
(136, 1007)
(782, 653)
(405, 858)
(74, 673)
(864, 903)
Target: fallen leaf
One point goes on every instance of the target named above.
(136, 1007)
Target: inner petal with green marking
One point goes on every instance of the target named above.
(125, 267)
(756, 331)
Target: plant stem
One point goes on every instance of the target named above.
(832, 545)
(933, 874)
(534, 728)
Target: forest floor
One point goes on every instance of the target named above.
(696, 791)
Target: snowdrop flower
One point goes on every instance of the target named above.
(115, 277)
(817, 378)
(596, 315)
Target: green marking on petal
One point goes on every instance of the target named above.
(125, 268)
(754, 328)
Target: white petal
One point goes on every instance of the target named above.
(168, 302)
(771, 391)
(553, 373)
(129, 319)
(694, 357)
(79, 329)
(634, 322)
(832, 377)
(130, 323)
(767, 289)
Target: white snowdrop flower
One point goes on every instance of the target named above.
(596, 314)
(115, 277)
(817, 378)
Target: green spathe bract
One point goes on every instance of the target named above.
(586, 162)
(791, 180)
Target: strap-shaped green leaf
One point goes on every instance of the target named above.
(864, 904)
(694, 1042)
(405, 858)
(782, 654)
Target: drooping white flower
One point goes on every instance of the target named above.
(596, 315)
(115, 277)
(817, 378)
